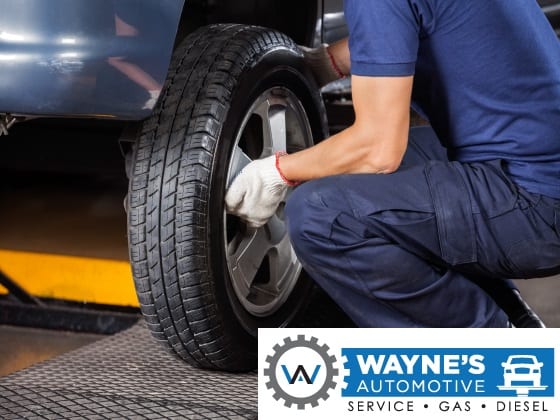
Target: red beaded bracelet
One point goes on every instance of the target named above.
(277, 164)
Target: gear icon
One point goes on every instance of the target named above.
(322, 351)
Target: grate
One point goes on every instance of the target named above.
(126, 375)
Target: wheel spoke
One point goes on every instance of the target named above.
(277, 122)
(282, 260)
(239, 160)
(273, 115)
(245, 256)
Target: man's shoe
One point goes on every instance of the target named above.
(520, 313)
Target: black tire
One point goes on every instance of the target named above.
(205, 128)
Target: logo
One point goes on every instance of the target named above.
(382, 373)
(300, 372)
(441, 372)
(522, 373)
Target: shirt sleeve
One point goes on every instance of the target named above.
(384, 37)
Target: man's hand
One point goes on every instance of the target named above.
(322, 63)
(256, 192)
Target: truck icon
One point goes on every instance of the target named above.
(522, 373)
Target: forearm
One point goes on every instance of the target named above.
(348, 152)
(375, 143)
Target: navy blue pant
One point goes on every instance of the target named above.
(406, 249)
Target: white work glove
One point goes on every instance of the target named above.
(322, 64)
(256, 192)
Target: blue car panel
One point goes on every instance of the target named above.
(104, 58)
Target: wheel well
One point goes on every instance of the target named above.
(296, 18)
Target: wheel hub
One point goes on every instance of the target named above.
(262, 265)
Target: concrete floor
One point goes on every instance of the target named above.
(544, 296)
(23, 347)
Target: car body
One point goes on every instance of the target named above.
(522, 370)
(84, 58)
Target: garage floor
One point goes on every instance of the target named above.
(23, 347)
(544, 296)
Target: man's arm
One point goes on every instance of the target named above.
(374, 143)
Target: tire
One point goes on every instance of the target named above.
(206, 282)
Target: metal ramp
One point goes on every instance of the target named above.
(125, 376)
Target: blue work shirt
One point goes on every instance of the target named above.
(486, 75)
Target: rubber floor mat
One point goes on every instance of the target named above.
(127, 375)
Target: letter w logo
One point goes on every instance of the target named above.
(300, 374)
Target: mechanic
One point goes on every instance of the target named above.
(418, 228)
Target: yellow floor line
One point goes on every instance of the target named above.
(79, 279)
